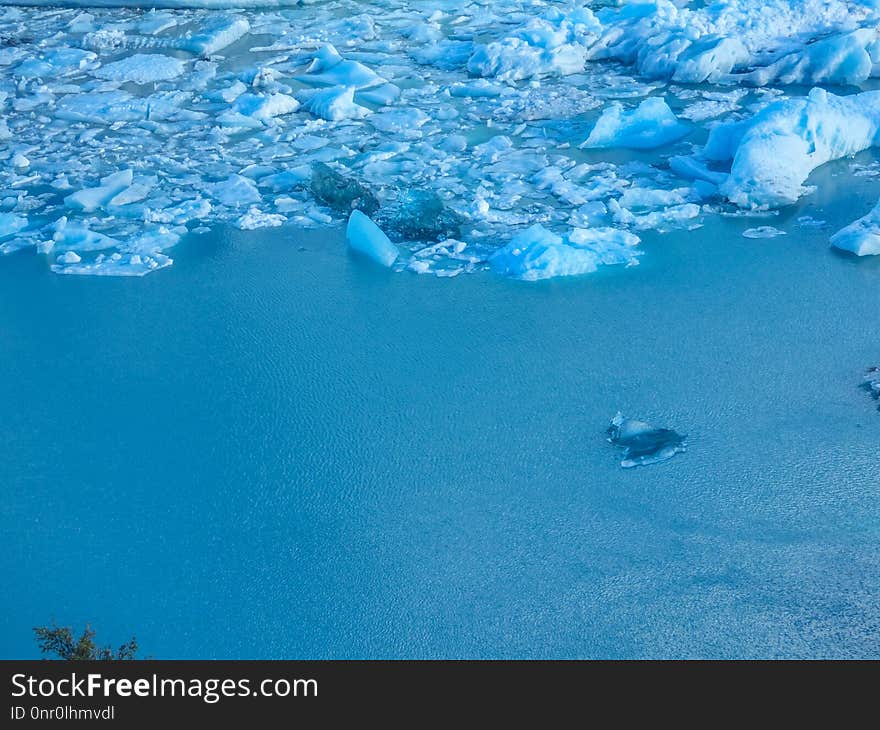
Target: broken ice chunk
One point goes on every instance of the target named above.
(642, 442)
(339, 192)
(651, 124)
(365, 237)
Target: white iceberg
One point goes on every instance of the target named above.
(775, 151)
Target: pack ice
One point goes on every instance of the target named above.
(530, 139)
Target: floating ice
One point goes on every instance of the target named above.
(142, 68)
(861, 237)
(365, 237)
(202, 107)
(763, 232)
(215, 36)
(651, 124)
(774, 152)
(90, 199)
(537, 253)
(642, 442)
(116, 264)
(10, 224)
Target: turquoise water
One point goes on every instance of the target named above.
(272, 449)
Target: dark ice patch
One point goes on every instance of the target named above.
(643, 443)
(339, 192)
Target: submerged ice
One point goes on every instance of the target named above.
(643, 443)
(532, 139)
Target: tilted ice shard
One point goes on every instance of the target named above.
(651, 124)
(861, 237)
(642, 442)
(775, 151)
(365, 237)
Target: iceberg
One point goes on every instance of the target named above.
(861, 237)
(775, 151)
(643, 443)
(651, 124)
(365, 237)
(537, 253)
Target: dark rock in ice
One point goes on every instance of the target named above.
(421, 215)
(871, 383)
(339, 192)
(642, 442)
